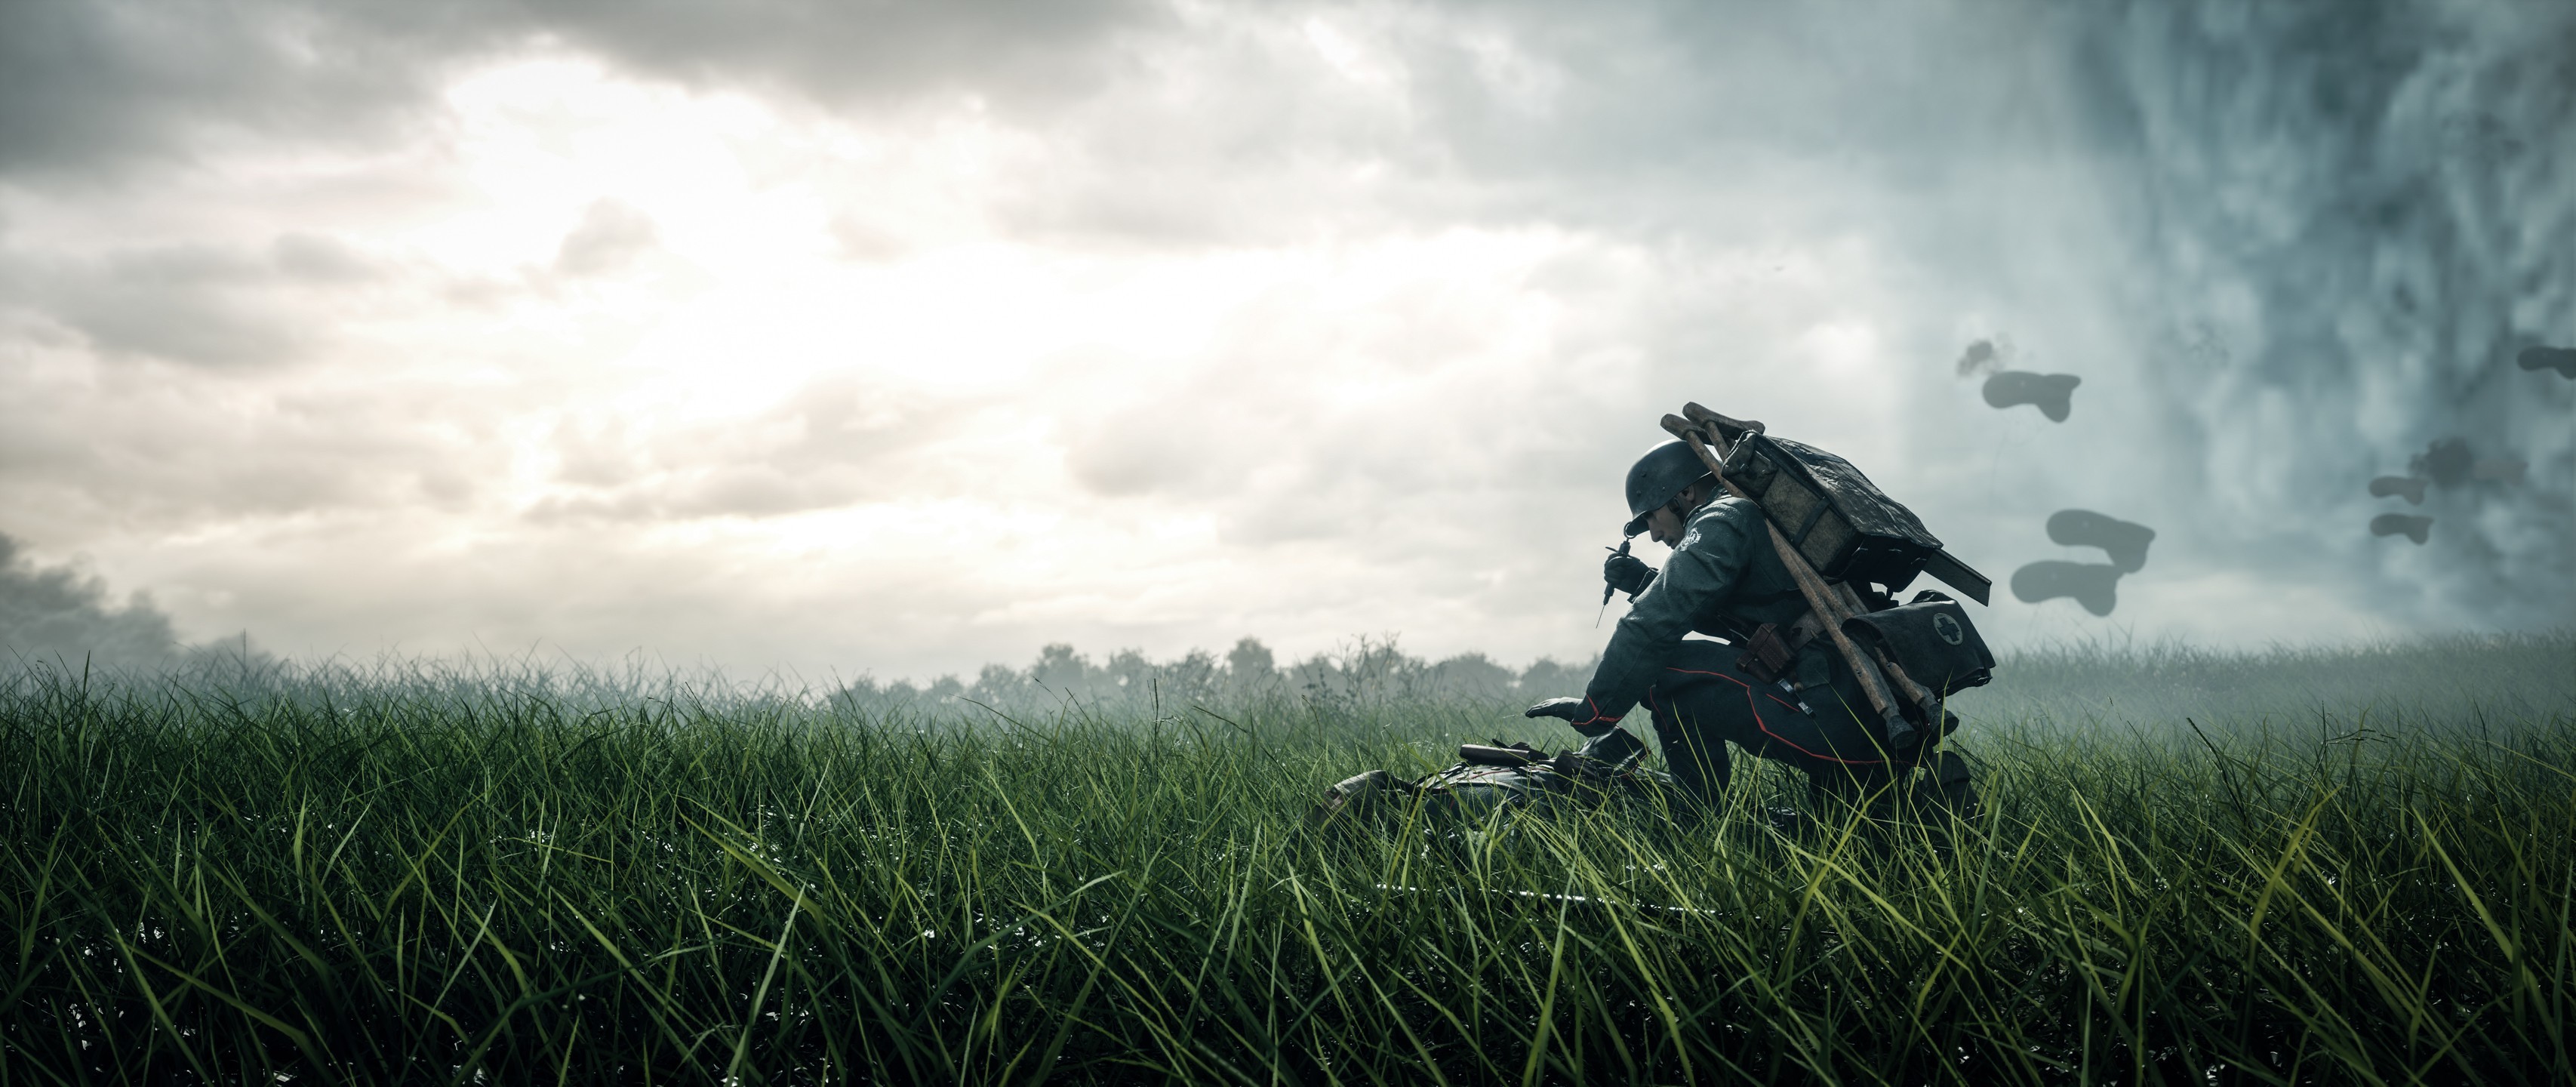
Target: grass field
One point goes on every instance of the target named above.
(2315, 867)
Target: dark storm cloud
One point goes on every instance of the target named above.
(200, 304)
(2369, 208)
(48, 612)
(91, 84)
(120, 83)
(1020, 51)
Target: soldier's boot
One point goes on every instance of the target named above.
(1869, 790)
(1943, 790)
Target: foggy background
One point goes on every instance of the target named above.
(899, 339)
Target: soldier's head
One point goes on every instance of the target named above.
(1664, 487)
(1664, 523)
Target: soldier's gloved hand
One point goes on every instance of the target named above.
(1577, 712)
(1568, 708)
(1626, 573)
(1612, 748)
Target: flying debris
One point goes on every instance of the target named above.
(2387, 524)
(2410, 488)
(2499, 470)
(2561, 359)
(2447, 462)
(1978, 358)
(2125, 541)
(2052, 394)
(2092, 584)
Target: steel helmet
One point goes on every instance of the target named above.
(1665, 471)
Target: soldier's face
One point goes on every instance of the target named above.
(1665, 526)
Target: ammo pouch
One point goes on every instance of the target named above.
(1931, 639)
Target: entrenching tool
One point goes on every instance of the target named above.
(1704, 429)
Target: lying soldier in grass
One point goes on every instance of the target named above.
(1725, 579)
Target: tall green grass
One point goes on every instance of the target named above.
(503, 875)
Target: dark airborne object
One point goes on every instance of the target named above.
(2394, 524)
(2408, 487)
(1977, 359)
(2052, 394)
(2092, 584)
(2125, 541)
(2561, 359)
(2447, 462)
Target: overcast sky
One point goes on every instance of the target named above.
(900, 338)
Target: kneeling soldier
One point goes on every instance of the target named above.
(1803, 706)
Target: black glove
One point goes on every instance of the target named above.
(1577, 712)
(1571, 709)
(1613, 748)
(1626, 573)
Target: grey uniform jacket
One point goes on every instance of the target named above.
(1723, 578)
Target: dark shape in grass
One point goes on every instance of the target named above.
(2561, 359)
(2052, 394)
(2447, 462)
(2092, 584)
(2410, 488)
(2125, 541)
(2402, 524)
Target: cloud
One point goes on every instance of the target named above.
(49, 612)
(112, 88)
(921, 335)
(113, 449)
(1015, 51)
(118, 86)
(192, 303)
(611, 234)
(2357, 216)
(832, 443)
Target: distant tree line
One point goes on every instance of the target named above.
(1364, 672)
(62, 618)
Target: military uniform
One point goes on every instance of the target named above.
(1725, 579)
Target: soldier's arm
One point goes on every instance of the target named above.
(1703, 569)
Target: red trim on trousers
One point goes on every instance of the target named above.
(1765, 726)
(1596, 717)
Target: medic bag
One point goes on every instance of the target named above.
(1931, 639)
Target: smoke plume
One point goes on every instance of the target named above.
(50, 612)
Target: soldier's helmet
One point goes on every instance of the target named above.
(1665, 471)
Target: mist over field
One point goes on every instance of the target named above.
(886, 344)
